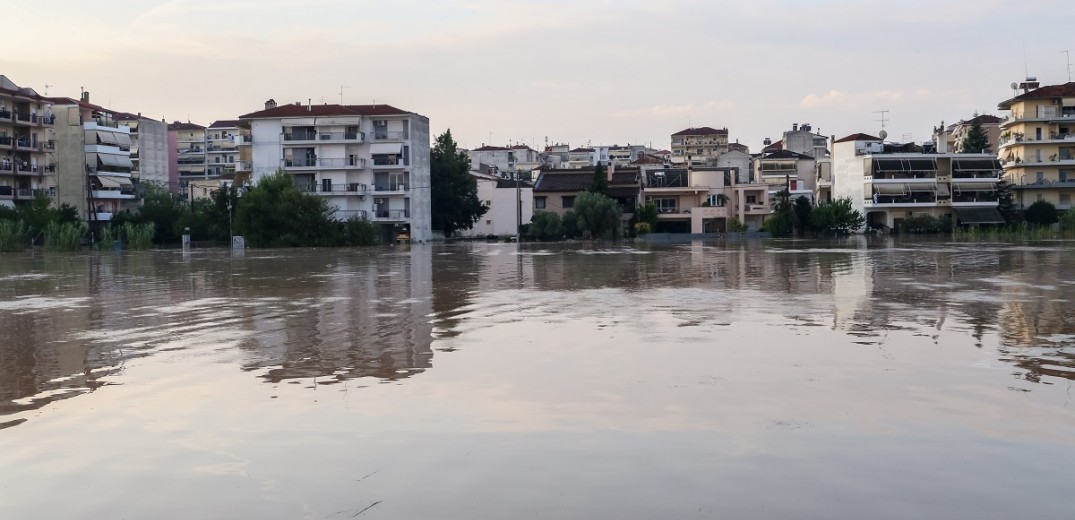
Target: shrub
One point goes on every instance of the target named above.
(64, 237)
(12, 236)
(139, 236)
(545, 225)
(1041, 213)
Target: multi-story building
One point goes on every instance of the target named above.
(950, 138)
(888, 185)
(495, 160)
(368, 161)
(149, 150)
(703, 200)
(787, 169)
(27, 144)
(1037, 144)
(222, 140)
(94, 172)
(190, 149)
(506, 204)
(699, 146)
(555, 190)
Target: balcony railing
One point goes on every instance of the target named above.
(6, 114)
(6, 166)
(353, 188)
(301, 136)
(391, 214)
(7, 140)
(391, 187)
(25, 118)
(348, 214)
(28, 169)
(389, 136)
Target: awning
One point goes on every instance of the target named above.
(942, 190)
(976, 165)
(107, 159)
(386, 148)
(106, 137)
(889, 189)
(922, 188)
(974, 186)
(123, 161)
(108, 182)
(123, 139)
(988, 215)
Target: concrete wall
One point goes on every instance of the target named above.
(153, 153)
(848, 175)
(70, 159)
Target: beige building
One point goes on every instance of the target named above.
(149, 149)
(703, 200)
(190, 150)
(949, 139)
(27, 144)
(1037, 144)
(699, 146)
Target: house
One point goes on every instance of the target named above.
(555, 190)
(368, 161)
(703, 200)
(190, 155)
(887, 183)
(508, 205)
(785, 169)
(1037, 144)
(27, 144)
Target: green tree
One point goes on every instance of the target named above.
(600, 181)
(1006, 202)
(647, 213)
(545, 225)
(276, 213)
(1041, 213)
(454, 192)
(803, 209)
(38, 214)
(569, 223)
(598, 216)
(976, 141)
(837, 217)
(164, 209)
(782, 221)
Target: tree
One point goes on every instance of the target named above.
(1006, 202)
(803, 209)
(163, 209)
(569, 223)
(454, 192)
(600, 181)
(648, 214)
(597, 215)
(545, 225)
(837, 217)
(976, 141)
(38, 214)
(781, 222)
(1041, 213)
(276, 213)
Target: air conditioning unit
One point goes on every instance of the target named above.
(380, 123)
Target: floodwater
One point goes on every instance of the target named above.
(768, 380)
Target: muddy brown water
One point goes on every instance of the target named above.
(827, 380)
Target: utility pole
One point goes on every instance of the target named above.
(518, 208)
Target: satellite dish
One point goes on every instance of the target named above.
(883, 135)
(1015, 85)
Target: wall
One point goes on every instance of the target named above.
(70, 159)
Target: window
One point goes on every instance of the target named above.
(714, 200)
(752, 199)
(1037, 133)
(1039, 177)
(664, 205)
(1065, 199)
(539, 202)
(488, 222)
(1041, 197)
(568, 202)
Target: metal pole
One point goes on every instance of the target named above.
(518, 208)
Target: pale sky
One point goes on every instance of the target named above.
(575, 71)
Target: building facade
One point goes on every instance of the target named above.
(190, 152)
(27, 144)
(889, 187)
(506, 203)
(1037, 144)
(149, 150)
(699, 146)
(368, 161)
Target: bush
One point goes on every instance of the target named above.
(359, 232)
(139, 236)
(545, 225)
(643, 228)
(598, 215)
(1068, 222)
(736, 226)
(570, 224)
(64, 237)
(926, 224)
(837, 217)
(1041, 213)
(12, 236)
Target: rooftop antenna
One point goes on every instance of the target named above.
(884, 121)
(1026, 63)
(341, 92)
(47, 85)
(1066, 53)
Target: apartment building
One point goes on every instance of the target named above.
(703, 200)
(785, 169)
(1037, 144)
(506, 203)
(149, 150)
(94, 172)
(368, 161)
(222, 140)
(190, 151)
(27, 144)
(887, 184)
(950, 138)
(699, 146)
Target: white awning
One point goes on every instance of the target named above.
(123, 139)
(942, 190)
(974, 186)
(889, 189)
(386, 148)
(108, 182)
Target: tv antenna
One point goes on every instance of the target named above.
(47, 85)
(1066, 53)
(341, 92)
(884, 121)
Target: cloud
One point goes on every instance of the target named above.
(815, 100)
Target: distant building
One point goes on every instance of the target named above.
(499, 194)
(887, 184)
(222, 140)
(149, 150)
(786, 169)
(95, 171)
(368, 161)
(701, 145)
(190, 150)
(703, 200)
(27, 144)
(555, 190)
(1037, 144)
(952, 136)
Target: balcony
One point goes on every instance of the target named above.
(6, 141)
(353, 188)
(111, 195)
(25, 119)
(348, 214)
(6, 114)
(1061, 117)
(24, 193)
(222, 148)
(383, 135)
(244, 166)
(28, 169)
(1044, 184)
(389, 189)
(756, 209)
(391, 214)
(7, 192)
(1052, 139)
(47, 120)
(26, 144)
(335, 163)
(387, 161)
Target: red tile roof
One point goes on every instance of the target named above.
(858, 137)
(705, 130)
(738, 146)
(185, 126)
(648, 159)
(1047, 92)
(581, 150)
(491, 149)
(225, 123)
(324, 111)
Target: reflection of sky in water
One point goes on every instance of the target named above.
(693, 380)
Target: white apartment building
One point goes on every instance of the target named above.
(190, 150)
(222, 140)
(27, 145)
(149, 149)
(368, 161)
(499, 194)
(887, 187)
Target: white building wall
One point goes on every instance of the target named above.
(152, 140)
(848, 174)
(736, 159)
(267, 150)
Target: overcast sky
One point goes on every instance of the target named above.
(575, 71)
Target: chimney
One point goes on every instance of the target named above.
(270, 104)
(806, 127)
(309, 104)
(795, 127)
(85, 96)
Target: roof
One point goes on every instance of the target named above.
(1047, 92)
(621, 177)
(858, 137)
(738, 146)
(72, 101)
(779, 145)
(324, 111)
(581, 180)
(491, 149)
(185, 126)
(225, 123)
(510, 183)
(785, 154)
(581, 150)
(521, 147)
(984, 119)
(705, 130)
(648, 159)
